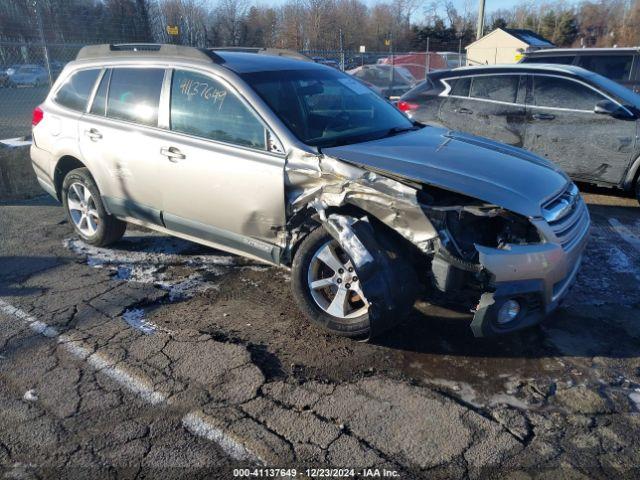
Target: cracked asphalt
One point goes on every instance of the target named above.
(160, 358)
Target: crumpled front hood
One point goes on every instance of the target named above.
(489, 171)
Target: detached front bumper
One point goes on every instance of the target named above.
(538, 276)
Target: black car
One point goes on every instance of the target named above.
(586, 123)
(621, 65)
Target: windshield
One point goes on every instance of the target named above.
(326, 108)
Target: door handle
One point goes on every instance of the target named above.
(172, 153)
(464, 110)
(543, 116)
(93, 134)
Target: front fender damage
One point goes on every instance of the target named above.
(318, 181)
(388, 296)
(322, 184)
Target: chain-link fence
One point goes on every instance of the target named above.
(28, 69)
(391, 73)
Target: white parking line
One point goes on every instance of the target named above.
(197, 424)
(16, 142)
(193, 421)
(626, 234)
(82, 351)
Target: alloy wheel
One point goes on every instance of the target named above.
(82, 209)
(334, 283)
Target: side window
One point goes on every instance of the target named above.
(76, 90)
(134, 94)
(501, 88)
(615, 67)
(562, 93)
(460, 86)
(204, 107)
(99, 105)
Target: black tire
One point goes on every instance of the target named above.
(347, 327)
(109, 228)
(637, 190)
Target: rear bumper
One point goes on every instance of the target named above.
(41, 161)
(537, 276)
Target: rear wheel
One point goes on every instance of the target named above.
(86, 212)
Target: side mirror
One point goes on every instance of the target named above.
(607, 107)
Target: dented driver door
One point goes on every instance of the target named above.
(225, 184)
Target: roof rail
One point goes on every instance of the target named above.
(279, 52)
(147, 49)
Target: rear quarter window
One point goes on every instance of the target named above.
(76, 90)
(460, 86)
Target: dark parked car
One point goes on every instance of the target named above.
(584, 122)
(619, 64)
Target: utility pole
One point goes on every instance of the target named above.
(341, 52)
(45, 50)
(427, 61)
(480, 31)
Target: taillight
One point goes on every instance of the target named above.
(37, 116)
(407, 106)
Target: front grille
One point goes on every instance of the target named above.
(568, 217)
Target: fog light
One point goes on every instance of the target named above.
(508, 311)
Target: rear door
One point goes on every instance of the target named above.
(494, 108)
(223, 180)
(120, 138)
(563, 127)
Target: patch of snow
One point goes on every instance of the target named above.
(30, 396)
(505, 399)
(605, 259)
(173, 264)
(635, 398)
(626, 234)
(463, 390)
(135, 318)
(618, 261)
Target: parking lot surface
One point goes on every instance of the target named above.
(158, 357)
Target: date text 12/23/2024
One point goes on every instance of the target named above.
(316, 472)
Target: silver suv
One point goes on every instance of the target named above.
(297, 164)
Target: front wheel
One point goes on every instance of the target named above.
(85, 210)
(326, 286)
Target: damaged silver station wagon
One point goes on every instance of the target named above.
(298, 164)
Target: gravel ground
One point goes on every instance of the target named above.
(161, 358)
